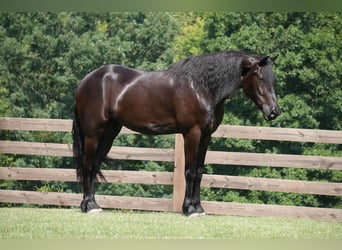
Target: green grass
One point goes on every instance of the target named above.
(38, 223)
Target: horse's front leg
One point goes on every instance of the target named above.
(191, 145)
(202, 151)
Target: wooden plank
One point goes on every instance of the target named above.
(155, 154)
(142, 154)
(34, 124)
(71, 199)
(274, 160)
(31, 197)
(224, 131)
(279, 134)
(35, 148)
(65, 150)
(30, 124)
(276, 185)
(37, 174)
(135, 203)
(166, 178)
(179, 179)
(69, 175)
(158, 204)
(262, 210)
(139, 177)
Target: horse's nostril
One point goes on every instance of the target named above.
(273, 113)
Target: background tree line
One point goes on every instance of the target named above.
(43, 56)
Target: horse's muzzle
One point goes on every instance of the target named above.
(272, 113)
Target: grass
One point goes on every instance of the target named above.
(39, 223)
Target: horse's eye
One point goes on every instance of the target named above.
(260, 79)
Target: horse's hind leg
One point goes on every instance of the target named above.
(96, 148)
(89, 172)
(112, 129)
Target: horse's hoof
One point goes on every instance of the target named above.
(196, 215)
(193, 211)
(90, 207)
(95, 211)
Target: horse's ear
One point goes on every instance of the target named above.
(263, 62)
(273, 58)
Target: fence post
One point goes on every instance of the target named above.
(178, 175)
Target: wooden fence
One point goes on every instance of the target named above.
(176, 178)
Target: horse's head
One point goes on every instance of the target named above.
(258, 83)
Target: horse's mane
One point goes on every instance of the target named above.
(216, 73)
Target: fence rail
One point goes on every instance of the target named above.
(166, 178)
(176, 178)
(167, 155)
(224, 131)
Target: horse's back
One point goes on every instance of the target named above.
(97, 83)
(120, 73)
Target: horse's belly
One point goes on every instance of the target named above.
(147, 123)
(146, 118)
(153, 128)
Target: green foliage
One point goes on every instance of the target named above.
(190, 39)
(50, 187)
(296, 113)
(43, 56)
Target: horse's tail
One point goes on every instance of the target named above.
(78, 147)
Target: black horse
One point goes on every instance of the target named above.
(187, 98)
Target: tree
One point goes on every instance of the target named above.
(44, 56)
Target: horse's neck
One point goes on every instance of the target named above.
(218, 75)
(226, 82)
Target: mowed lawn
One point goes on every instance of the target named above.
(39, 223)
